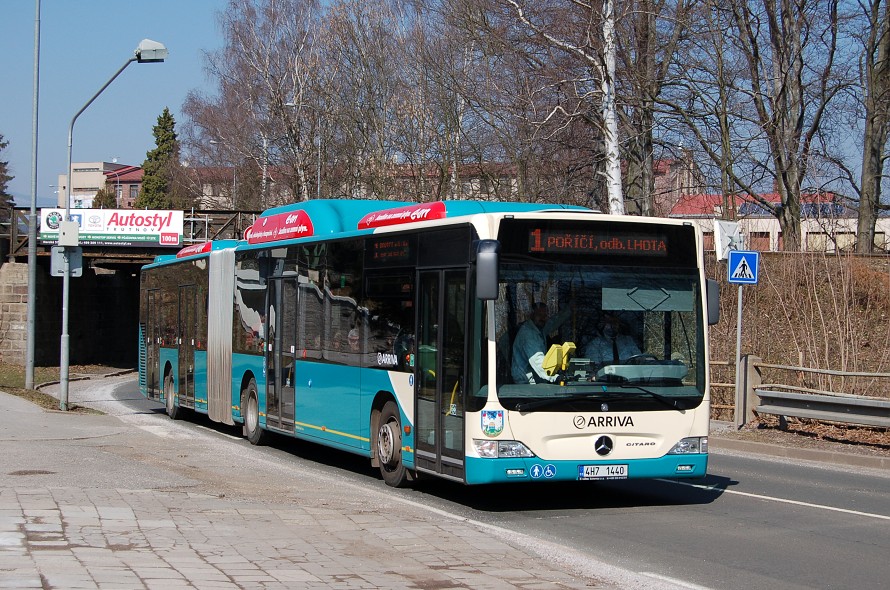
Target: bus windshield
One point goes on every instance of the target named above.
(574, 336)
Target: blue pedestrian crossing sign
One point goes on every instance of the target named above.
(743, 267)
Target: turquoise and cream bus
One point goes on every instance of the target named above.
(388, 329)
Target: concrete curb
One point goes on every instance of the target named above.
(84, 377)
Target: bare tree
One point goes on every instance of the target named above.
(651, 32)
(262, 109)
(790, 47)
(704, 104)
(758, 105)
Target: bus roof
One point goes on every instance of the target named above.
(342, 216)
(320, 217)
(418, 212)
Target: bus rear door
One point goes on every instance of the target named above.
(153, 333)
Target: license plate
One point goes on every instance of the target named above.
(602, 471)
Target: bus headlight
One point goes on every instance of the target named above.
(690, 446)
(493, 449)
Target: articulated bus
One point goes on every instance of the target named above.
(390, 330)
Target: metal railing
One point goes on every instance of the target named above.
(784, 400)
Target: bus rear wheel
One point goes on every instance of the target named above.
(389, 446)
(250, 406)
(169, 401)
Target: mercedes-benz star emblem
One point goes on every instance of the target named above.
(603, 446)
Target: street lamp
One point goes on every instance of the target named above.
(117, 187)
(147, 51)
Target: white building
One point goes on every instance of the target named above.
(87, 179)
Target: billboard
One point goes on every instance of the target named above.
(116, 227)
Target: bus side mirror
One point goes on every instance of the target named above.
(487, 252)
(713, 292)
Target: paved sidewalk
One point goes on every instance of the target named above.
(131, 501)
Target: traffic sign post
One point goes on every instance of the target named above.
(743, 267)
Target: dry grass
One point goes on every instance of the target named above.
(823, 311)
(12, 381)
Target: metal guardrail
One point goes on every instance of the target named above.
(803, 402)
(862, 410)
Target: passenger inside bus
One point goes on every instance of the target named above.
(531, 343)
(612, 344)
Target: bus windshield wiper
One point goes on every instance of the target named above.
(668, 401)
(540, 403)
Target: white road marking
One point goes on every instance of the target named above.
(681, 583)
(782, 500)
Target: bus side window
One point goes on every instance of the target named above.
(390, 303)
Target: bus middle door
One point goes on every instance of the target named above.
(440, 372)
(281, 349)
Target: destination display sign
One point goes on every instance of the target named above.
(594, 240)
(391, 250)
(554, 241)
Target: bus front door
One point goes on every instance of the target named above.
(440, 372)
(280, 360)
(188, 328)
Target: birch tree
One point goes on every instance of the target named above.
(875, 80)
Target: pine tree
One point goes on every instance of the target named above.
(5, 198)
(160, 166)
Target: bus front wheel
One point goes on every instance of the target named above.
(250, 406)
(169, 401)
(389, 446)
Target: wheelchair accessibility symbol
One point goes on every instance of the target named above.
(546, 471)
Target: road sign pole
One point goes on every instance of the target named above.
(739, 394)
(743, 268)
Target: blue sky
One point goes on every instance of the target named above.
(82, 44)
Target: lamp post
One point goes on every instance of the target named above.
(32, 215)
(148, 51)
(117, 188)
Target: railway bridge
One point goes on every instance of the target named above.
(103, 303)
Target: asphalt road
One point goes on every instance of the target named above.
(754, 522)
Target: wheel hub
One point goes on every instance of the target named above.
(386, 444)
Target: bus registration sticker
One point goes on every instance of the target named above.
(492, 422)
(602, 471)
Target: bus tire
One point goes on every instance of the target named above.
(388, 446)
(169, 398)
(250, 405)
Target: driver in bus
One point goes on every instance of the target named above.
(611, 345)
(530, 343)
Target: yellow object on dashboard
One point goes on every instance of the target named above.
(557, 358)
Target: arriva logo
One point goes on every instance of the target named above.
(386, 359)
(602, 422)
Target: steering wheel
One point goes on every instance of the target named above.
(641, 359)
